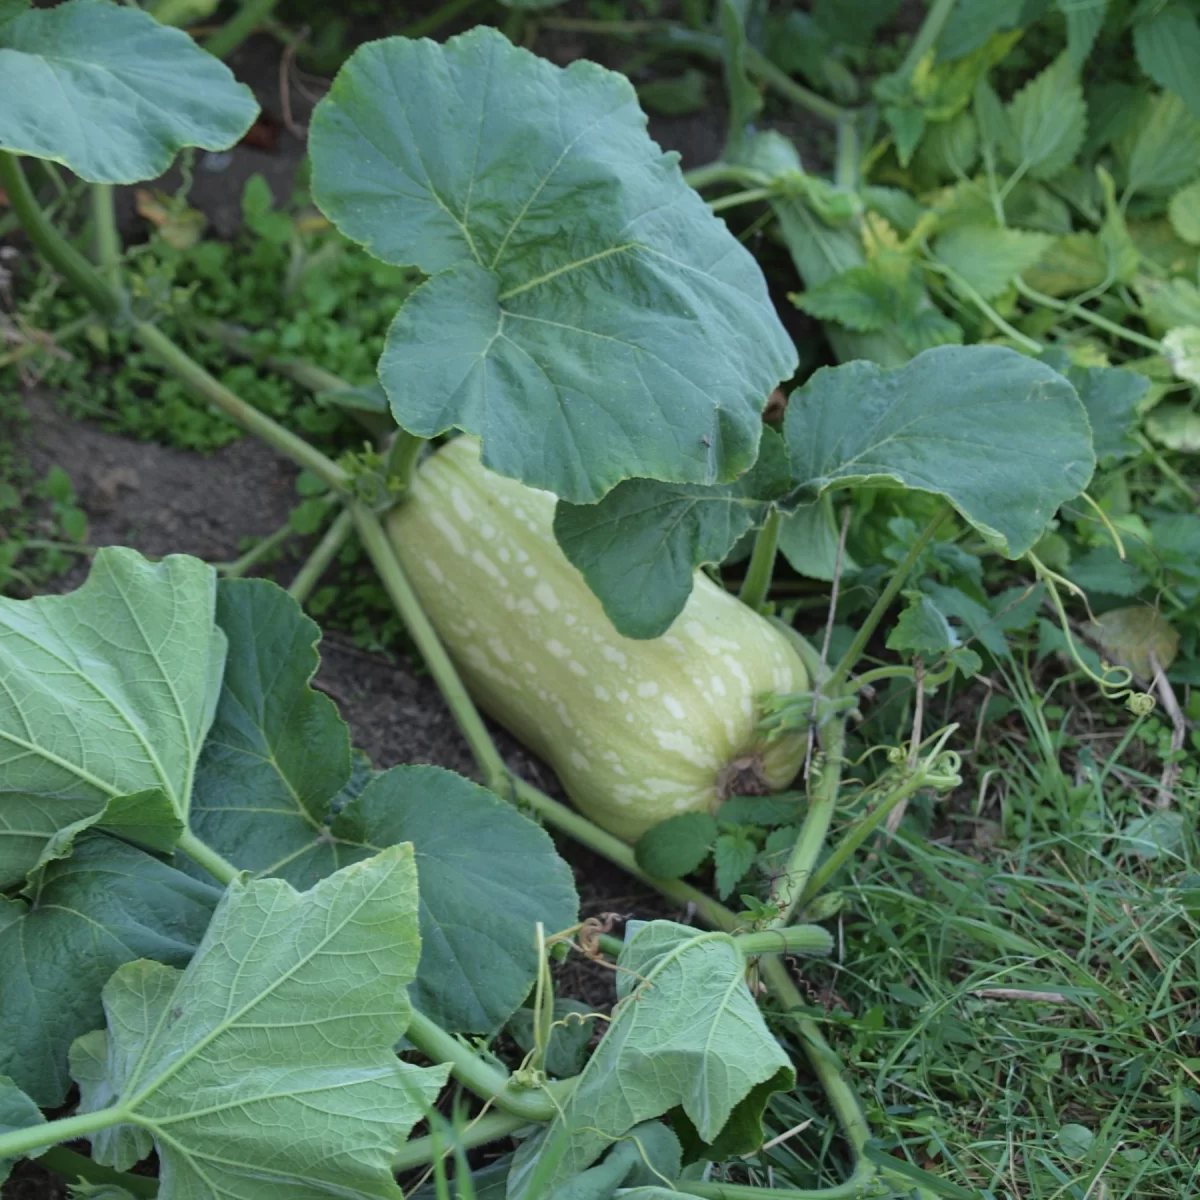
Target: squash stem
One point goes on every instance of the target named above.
(931, 29)
(72, 1166)
(106, 240)
(323, 554)
(20, 1143)
(842, 671)
(793, 880)
(205, 856)
(757, 583)
(391, 573)
(488, 1127)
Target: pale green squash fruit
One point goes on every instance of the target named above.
(637, 731)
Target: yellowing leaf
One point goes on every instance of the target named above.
(1137, 637)
(1074, 263)
(1182, 349)
(1170, 303)
(178, 225)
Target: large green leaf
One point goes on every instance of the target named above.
(686, 1033)
(1167, 45)
(17, 1111)
(112, 94)
(266, 1069)
(278, 752)
(588, 317)
(105, 697)
(1003, 437)
(107, 904)
(1110, 396)
(640, 546)
(272, 795)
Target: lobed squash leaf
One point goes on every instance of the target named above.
(110, 93)
(587, 316)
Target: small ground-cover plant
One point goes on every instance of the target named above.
(605, 338)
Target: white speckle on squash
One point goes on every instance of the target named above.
(647, 689)
(544, 595)
(464, 510)
(577, 668)
(556, 648)
(674, 707)
(446, 528)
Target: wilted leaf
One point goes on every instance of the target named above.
(644, 344)
(1175, 426)
(1134, 636)
(1073, 263)
(720, 1058)
(110, 93)
(267, 1068)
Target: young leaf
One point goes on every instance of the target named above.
(588, 317)
(109, 693)
(1085, 19)
(989, 258)
(1161, 149)
(570, 1035)
(864, 298)
(1074, 263)
(17, 1111)
(1170, 303)
(1181, 348)
(267, 1067)
(760, 810)
(1004, 438)
(808, 539)
(1176, 427)
(921, 628)
(907, 124)
(275, 771)
(677, 846)
(647, 1154)
(112, 94)
(107, 904)
(640, 546)
(733, 855)
(1049, 119)
(1184, 211)
(719, 1061)
(1167, 45)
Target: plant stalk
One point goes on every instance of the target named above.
(723, 172)
(50, 244)
(486, 1081)
(20, 1143)
(793, 880)
(248, 561)
(867, 823)
(205, 856)
(1086, 314)
(107, 240)
(383, 555)
(853, 1189)
(931, 29)
(842, 671)
(299, 370)
(402, 457)
(323, 554)
(750, 196)
(239, 27)
(489, 1127)
(757, 583)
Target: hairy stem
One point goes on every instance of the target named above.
(822, 802)
(239, 27)
(205, 856)
(18, 1143)
(50, 244)
(757, 583)
(931, 29)
(485, 1080)
(842, 671)
(323, 554)
(205, 387)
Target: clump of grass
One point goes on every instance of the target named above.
(1018, 998)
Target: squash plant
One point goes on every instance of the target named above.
(218, 921)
